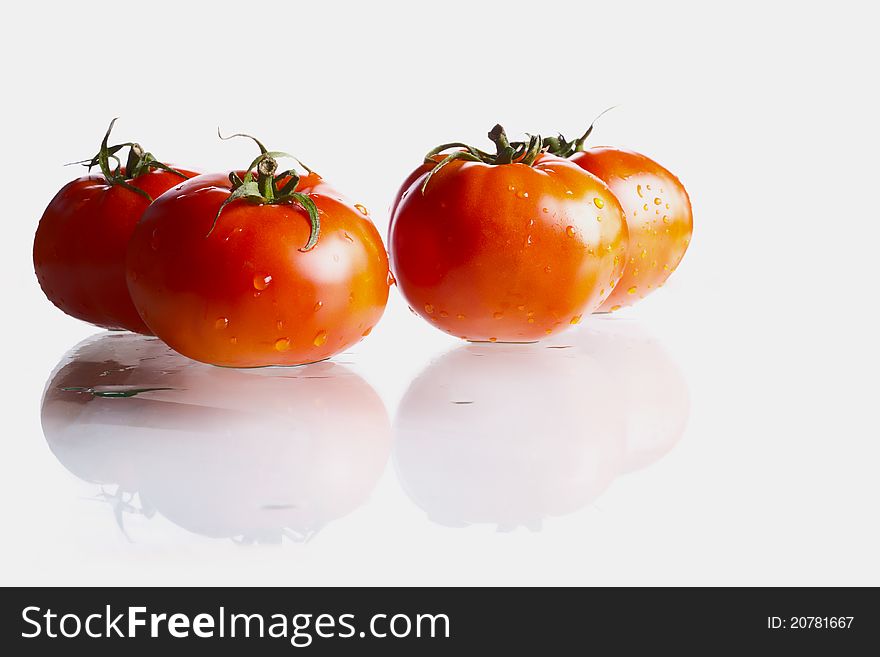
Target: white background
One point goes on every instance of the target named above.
(767, 112)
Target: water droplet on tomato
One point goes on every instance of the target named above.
(547, 269)
(520, 307)
(639, 190)
(320, 338)
(569, 230)
(261, 281)
(282, 344)
(318, 306)
(493, 339)
(348, 237)
(154, 240)
(666, 220)
(367, 332)
(645, 207)
(429, 308)
(221, 323)
(360, 208)
(575, 320)
(279, 325)
(522, 194)
(443, 313)
(657, 201)
(632, 290)
(498, 315)
(459, 316)
(233, 340)
(390, 280)
(598, 202)
(613, 308)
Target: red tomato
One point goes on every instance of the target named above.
(658, 215)
(245, 284)
(81, 241)
(493, 250)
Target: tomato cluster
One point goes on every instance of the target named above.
(262, 266)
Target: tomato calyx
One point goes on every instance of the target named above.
(506, 152)
(561, 147)
(137, 163)
(268, 187)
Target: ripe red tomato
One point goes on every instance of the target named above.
(658, 215)
(509, 247)
(282, 271)
(81, 241)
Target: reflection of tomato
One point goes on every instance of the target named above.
(253, 290)
(508, 435)
(254, 454)
(658, 215)
(650, 388)
(80, 244)
(507, 252)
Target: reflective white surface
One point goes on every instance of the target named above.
(722, 431)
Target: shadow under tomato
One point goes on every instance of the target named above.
(250, 455)
(508, 434)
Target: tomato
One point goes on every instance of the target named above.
(658, 215)
(282, 271)
(81, 241)
(252, 455)
(510, 247)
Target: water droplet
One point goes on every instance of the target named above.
(367, 332)
(282, 344)
(279, 325)
(666, 268)
(459, 316)
(360, 208)
(548, 331)
(390, 280)
(666, 220)
(568, 192)
(233, 340)
(599, 219)
(598, 202)
(528, 240)
(613, 308)
(154, 240)
(644, 253)
(545, 210)
(569, 230)
(429, 309)
(657, 201)
(319, 305)
(320, 338)
(648, 187)
(547, 269)
(221, 323)
(261, 281)
(631, 290)
(520, 307)
(645, 207)
(667, 206)
(522, 194)
(602, 292)
(443, 313)
(575, 320)
(348, 237)
(511, 188)
(639, 190)
(498, 315)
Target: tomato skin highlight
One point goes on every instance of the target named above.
(245, 295)
(507, 253)
(81, 242)
(658, 216)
